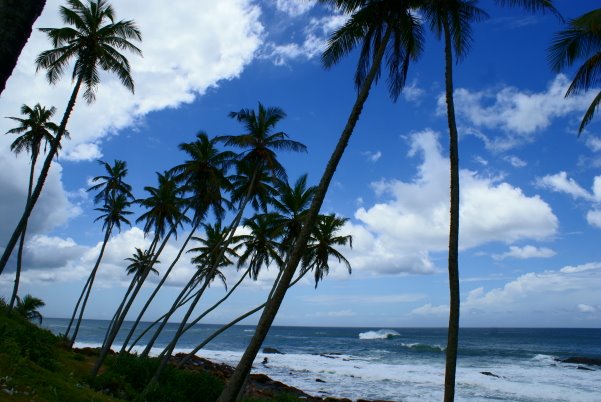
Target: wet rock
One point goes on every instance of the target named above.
(319, 380)
(488, 373)
(585, 368)
(582, 360)
(272, 351)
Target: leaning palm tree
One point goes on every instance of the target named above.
(321, 246)
(164, 213)
(451, 20)
(115, 195)
(581, 40)
(382, 28)
(94, 40)
(28, 307)
(261, 246)
(34, 130)
(113, 215)
(142, 263)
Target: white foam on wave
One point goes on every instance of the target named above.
(379, 334)
(424, 347)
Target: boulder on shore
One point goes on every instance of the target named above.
(272, 351)
(582, 360)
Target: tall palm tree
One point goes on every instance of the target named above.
(115, 196)
(382, 28)
(113, 215)
(292, 205)
(321, 246)
(93, 39)
(111, 183)
(164, 213)
(581, 40)
(204, 178)
(28, 307)
(16, 19)
(34, 130)
(261, 246)
(141, 266)
(451, 20)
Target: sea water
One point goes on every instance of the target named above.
(400, 364)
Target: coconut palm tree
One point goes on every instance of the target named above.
(261, 246)
(34, 130)
(581, 40)
(451, 20)
(94, 40)
(165, 207)
(381, 28)
(111, 183)
(28, 307)
(291, 205)
(142, 263)
(321, 246)
(16, 19)
(113, 215)
(115, 195)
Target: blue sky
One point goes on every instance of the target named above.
(531, 189)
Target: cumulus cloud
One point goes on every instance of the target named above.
(294, 8)
(594, 143)
(373, 156)
(585, 308)
(525, 252)
(517, 113)
(429, 309)
(593, 217)
(413, 93)
(515, 161)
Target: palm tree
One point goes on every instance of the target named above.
(451, 20)
(113, 215)
(16, 19)
(321, 246)
(111, 183)
(33, 130)
(204, 178)
(142, 263)
(291, 205)
(28, 307)
(261, 247)
(581, 40)
(165, 205)
(382, 28)
(115, 195)
(94, 40)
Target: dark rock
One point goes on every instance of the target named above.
(319, 380)
(585, 368)
(272, 351)
(488, 373)
(582, 360)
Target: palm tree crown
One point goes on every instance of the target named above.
(94, 40)
(28, 307)
(114, 212)
(111, 184)
(35, 129)
(581, 40)
(141, 264)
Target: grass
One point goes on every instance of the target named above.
(36, 365)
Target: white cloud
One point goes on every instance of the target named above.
(515, 161)
(525, 252)
(519, 114)
(316, 34)
(294, 8)
(561, 183)
(594, 143)
(333, 314)
(429, 309)
(585, 308)
(184, 54)
(593, 217)
(364, 299)
(539, 297)
(83, 152)
(412, 93)
(373, 156)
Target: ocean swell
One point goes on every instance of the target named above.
(379, 334)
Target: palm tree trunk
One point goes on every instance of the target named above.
(34, 157)
(41, 179)
(16, 22)
(453, 331)
(234, 322)
(119, 310)
(76, 309)
(90, 282)
(235, 384)
(161, 282)
(118, 322)
(232, 229)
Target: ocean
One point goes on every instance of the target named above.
(402, 364)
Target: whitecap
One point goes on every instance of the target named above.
(379, 334)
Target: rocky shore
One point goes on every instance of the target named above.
(259, 385)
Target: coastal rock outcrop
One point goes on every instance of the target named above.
(582, 360)
(272, 351)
